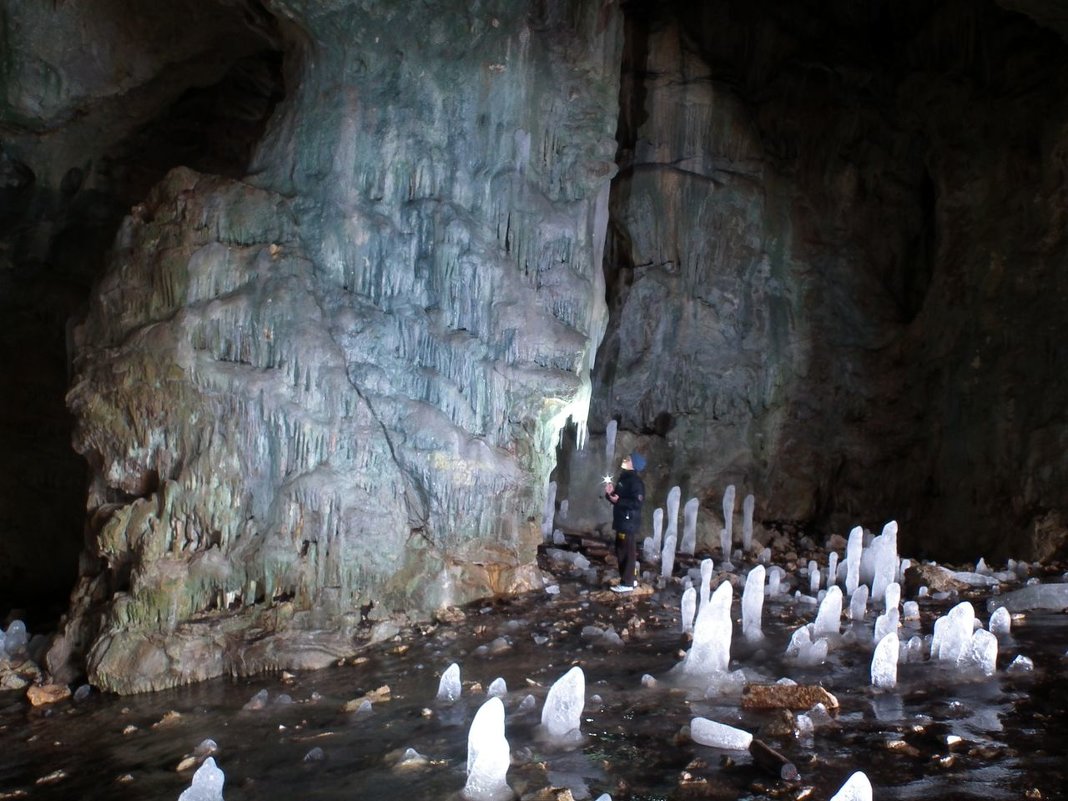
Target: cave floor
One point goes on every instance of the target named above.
(1012, 726)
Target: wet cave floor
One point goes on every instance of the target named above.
(306, 744)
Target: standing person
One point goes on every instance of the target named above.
(626, 496)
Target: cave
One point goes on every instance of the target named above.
(306, 307)
(69, 176)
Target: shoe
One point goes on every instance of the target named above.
(622, 588)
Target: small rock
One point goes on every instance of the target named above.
(168, 719)
(450, 615)
(935, 577)
(785, 696)
(42, 694)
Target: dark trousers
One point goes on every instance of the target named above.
(627, 558)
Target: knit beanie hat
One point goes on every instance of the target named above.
(637, 461)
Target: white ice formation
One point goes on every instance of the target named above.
(748, 505)
(689, 527)
(449, 685)
(856, 788)
(753, 604)
(562, 714)
(207, 783)
(884, 662)
(488, 755)
(719, 735)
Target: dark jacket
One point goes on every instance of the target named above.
(627, 510)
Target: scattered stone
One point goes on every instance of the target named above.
(772, 761)
(781, 723)
(39, 695)
(168, 719)
(53, 777)
(378, 696)
(785, 696)
(902, 747)
(450, 615)
(550, 794)
(935, 577)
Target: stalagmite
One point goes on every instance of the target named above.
(562, 714)
(689, 529)
(829, 616)
(688, 609)
(854, 550)
(753, 604)
(884, 662)
(728, 519)
(748, 505)
(449, 685)
(488, 755)
(856, 788)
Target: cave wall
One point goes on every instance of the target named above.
(836, 269)
(329, 391)
(337, 275)
(97, 101)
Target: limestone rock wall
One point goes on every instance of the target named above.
(331, 391)
(836, 269)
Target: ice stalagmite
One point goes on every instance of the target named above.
(953, 633)
(982, 652)
(689, 527)
(747, 523)
(562, 713)
(711, 649)
(728, 517)
(688, 609)
(885, 557)
(725, 547)
(829, 616)
(753, 604)
(706, 582)
(856, 788)
(207, 783)
(884, 662)
(667, 556)
(549, 512)
(892, 596)
(854, 549)
(488, 756)
(671, 524)
(449, 686)
(651, 545)
(832, 569)
(1000, 621)
(858, 603)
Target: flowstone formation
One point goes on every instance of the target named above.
(330, 391)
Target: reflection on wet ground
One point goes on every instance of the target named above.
(1012, 726)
